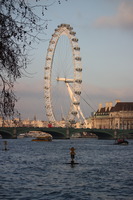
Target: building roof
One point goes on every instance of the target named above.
(122, 106)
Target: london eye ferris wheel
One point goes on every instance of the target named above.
(63, 76)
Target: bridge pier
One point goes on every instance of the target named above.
(67, 133)
(14, 136)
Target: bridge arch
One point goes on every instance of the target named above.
(102, 134)
(56, 132)
(5, 135)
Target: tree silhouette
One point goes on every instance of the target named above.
(20, 27)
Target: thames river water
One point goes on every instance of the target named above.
(40, 170)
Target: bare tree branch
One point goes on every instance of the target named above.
(20, 27)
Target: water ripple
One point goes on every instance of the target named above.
(39, 171)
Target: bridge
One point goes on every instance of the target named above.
(65, 133)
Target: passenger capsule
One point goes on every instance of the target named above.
(78, 81)
(72, 33)
(79, 69)
(78, 58)
(46, 77)
(48, 58)
(77, 92)
(74, 112)
(76, 103)
(77, 48)
(47, 68)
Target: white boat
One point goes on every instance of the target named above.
(21, 135)
(42, 136)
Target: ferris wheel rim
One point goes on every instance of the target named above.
(63, 29)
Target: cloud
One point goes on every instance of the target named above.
(31, 99)
(29, 88)
(122, 19)
(98, 94)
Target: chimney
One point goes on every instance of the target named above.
(117, 101)
(99, 107)
(106, 106)
(110, 105)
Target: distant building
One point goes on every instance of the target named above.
(22, 123)
(119, 116)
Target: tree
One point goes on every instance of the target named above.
(20, 27)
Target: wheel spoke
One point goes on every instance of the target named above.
(63, 70)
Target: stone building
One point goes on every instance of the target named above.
(119, 116)
(22, 123)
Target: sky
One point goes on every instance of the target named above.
(105, 32)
